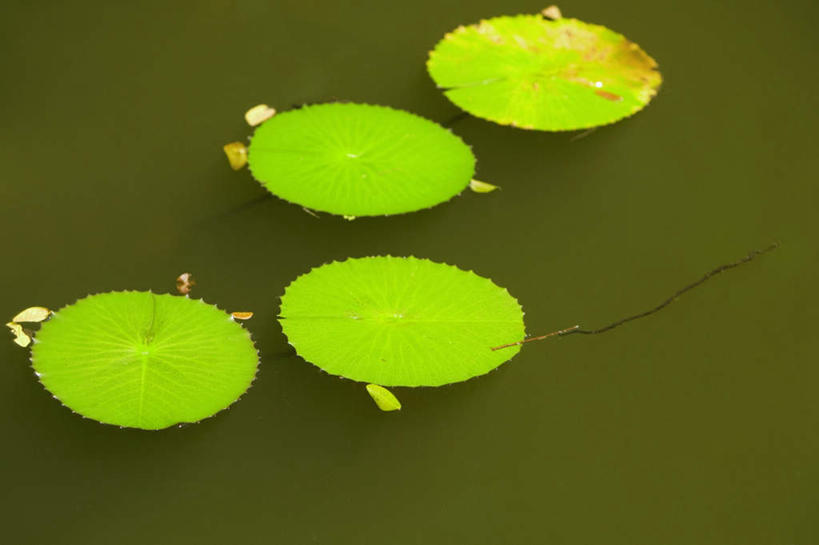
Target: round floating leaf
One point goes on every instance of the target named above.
(142, 360)
(400, 321)
(359, 160)
(535, 73)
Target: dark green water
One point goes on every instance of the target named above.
(698, 425)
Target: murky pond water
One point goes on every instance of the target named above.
(696, 425)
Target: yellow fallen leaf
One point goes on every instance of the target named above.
(385, 399)
(552, 12)
(481, 187)
(242, 315)
(237, 154)
(20, 336)
(259, 114)
(32, 314)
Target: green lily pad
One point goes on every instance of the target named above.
(535, 73)
(359, 160)
(141, 360)
(399, 321)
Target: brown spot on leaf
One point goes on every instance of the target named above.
(608, 96)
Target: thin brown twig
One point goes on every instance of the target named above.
(530, 339)
(705, 277)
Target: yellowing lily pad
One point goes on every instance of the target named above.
(532, 72)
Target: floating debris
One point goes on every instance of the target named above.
(242, 315)
(482, 187)
(348, 164)
(237, 154)
(259, 114)
(32, 314)
(184, 283)
(552, 12)
(20, 336)
(385, 399)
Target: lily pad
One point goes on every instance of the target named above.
(359, 160)
(399, 321)
(142, 360)
(535, 73)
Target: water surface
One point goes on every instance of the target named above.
(695, 426)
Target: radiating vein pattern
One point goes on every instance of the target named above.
(137, 359)
(399, 321)
(534, 73)
(359, 160)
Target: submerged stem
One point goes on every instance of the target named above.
(576, 329)
(540, 338)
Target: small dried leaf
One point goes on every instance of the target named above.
(259, 114)
(237, 154)
(32, 314)
(482, 187)
(552, 12)
(184, 283)
(20, 336)
(385, 399)
(242, 315)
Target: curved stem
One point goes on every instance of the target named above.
(576, 329)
